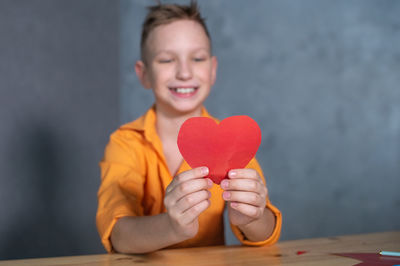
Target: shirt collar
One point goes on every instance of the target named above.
(147, 125)
(147, 122)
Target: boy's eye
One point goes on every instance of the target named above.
(199, 59)
(164, 61)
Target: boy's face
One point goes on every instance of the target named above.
(179, 66)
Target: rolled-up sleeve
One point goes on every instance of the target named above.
(121, 190)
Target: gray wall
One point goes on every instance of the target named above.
(322, 80)
(58, 105)
(320, 77)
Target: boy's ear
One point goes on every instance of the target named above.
(214, 66)
(142, 74)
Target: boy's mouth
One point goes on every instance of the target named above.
(184, 92)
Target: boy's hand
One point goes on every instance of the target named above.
(246, 195)
(186, 197)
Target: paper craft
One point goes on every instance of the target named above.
(301, 252)
(231, 144)
(371, 259)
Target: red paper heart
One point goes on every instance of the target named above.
(221, 147)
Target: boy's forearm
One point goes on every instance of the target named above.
(260, 229)
(143, 234)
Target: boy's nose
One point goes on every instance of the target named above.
(184, 71)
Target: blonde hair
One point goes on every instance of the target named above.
(163, 14)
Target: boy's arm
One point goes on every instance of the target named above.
(141, 234)
(186, 198)
(260, 229)
(247, 195)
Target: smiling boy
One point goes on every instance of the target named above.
(149, 197)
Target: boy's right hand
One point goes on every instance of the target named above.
(186, 197)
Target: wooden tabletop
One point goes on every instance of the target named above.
(316, 251)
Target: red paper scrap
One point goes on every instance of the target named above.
(371, 259)
(300, 252)
(231, 144)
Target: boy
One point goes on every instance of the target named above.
(149, 198)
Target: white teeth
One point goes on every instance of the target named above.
(184, 90)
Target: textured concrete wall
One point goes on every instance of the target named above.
(320, 77)
(58, 105)
(322, 80)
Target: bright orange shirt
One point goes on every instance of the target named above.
(134, 176)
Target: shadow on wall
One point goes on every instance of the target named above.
(37, 228)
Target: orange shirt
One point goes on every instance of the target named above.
(134, 176)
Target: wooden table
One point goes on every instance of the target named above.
(318, 252)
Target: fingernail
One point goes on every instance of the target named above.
(204, 171)
(232, 173)
(225, 184)
(234, 204)
(210, 183)
(226, 195)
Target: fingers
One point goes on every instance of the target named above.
(193, 199)
(243, 173)
(244, 180)
(199, 172)
(187, 196)
(246, 193)
(188, 182)
(249, 198)
(250, 185)
(191, 186)
(193, 212)
(248, 210)
(188, 208)
(193, 173)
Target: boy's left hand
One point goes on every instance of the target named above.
(246, 195)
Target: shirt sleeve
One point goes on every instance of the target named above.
(273, 238)
(121, 189)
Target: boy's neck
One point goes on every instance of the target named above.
(168, 123)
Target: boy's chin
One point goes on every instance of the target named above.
(184, 109)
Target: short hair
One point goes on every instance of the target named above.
(162, 14)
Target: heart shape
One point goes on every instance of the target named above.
(231, 144)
